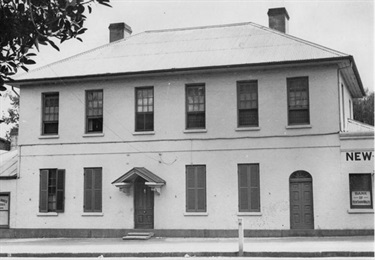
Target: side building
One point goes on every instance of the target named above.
(184, 131)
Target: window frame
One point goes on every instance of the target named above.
(359, 207)
(44, 122)
(88, 117)
(243, 82)
(144, 113)
(288, 80)
(249, 188)
(195, 188)
(44, 190)
(187, 112)
(97, 172)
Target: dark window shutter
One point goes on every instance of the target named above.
(196, 189)
(43, 191)
(243, 192)
(254, 188)
(248, 188)
(60, 191)
(88, 176)
(190, 188)
(97, 194)
(201, 188)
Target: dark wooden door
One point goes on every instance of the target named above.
(143, 205)
(301, 204)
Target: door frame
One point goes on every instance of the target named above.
(301, 177)
(137, 180)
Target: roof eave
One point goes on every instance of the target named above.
(356, 72)
(31, 82)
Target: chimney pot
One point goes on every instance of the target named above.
(278, 19)
(119, 31)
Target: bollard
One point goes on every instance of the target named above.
(240, 237)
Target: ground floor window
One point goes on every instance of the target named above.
(92, 190)
(52, 186)
(4, 210)
(248, 188)
(196, 188)
(360, 191)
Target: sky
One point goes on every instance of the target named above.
(343, 25)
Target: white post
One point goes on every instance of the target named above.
(240, 237)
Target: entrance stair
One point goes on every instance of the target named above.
(138, 236)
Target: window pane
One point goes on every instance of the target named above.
(298, 101)
(50, 113)
(145, 107)
(247, 103)
(360, 191)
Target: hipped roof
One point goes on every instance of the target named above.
(194, 48)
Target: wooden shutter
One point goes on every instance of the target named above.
(60, 191)
(196, 189)
(248, 188)
(190, 188)
(200, 172)
(93, 190)
(243, 191)
(87, 204)
(254, 188)
(97, 190)
(43, 191)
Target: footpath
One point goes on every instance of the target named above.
(183, 247)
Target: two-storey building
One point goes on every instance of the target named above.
(183, 131)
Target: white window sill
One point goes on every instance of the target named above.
(93, 135)
(249, 214)
(361, 211)
(47, 214)
(49, 137)
(195, 213)
(195, 131)
(254, 128)
(298, 126)
(92, 214)
(144, 133)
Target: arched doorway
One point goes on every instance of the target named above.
(301, 200)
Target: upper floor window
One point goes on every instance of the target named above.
(51, 190)
(196, 188)
(50, 115)
(94, 111)
(195, 106)
(298, 101)
(144, 116)
(247, 103)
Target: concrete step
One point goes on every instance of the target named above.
(138, 236)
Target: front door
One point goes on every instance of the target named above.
(301, 202)
(143, 205)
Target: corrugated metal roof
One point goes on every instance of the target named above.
(8, 164)
(142, 172)
(211, 46)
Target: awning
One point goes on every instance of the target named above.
(152, 180)
(8, 164)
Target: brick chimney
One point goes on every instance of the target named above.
(118, 31)
(278, 19)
